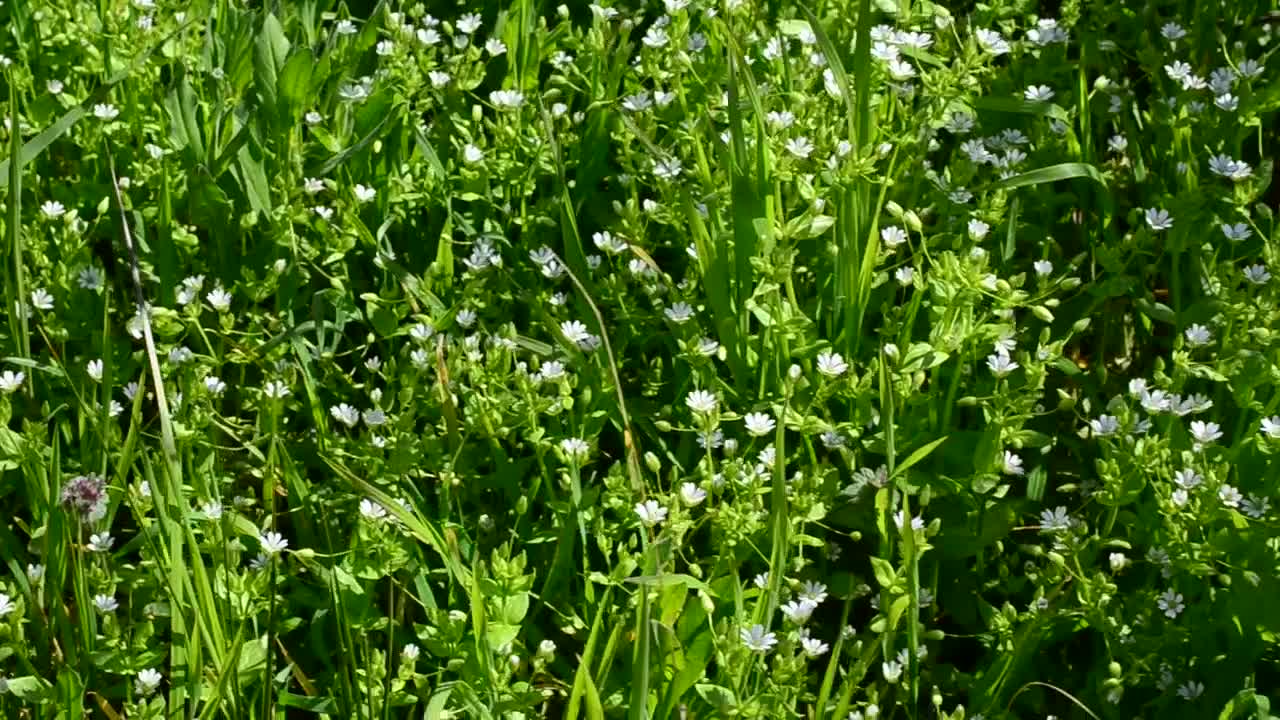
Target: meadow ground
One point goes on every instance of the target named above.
(834, 360)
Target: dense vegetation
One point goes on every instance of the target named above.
(704, 358)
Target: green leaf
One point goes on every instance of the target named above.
(294, 86)
(919, 454)
(269, 54)
(1053, 173)
(884, 572)
(1020, 106)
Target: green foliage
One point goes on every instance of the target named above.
(711, 358)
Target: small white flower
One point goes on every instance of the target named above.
(1000, 364)
(219, 299)
(410, 653)
(831, 364)
(757, 639)
(148, 681)
(1043, 267)
(6, 605)
(575, 449)
(105, 604)
(650, 513)
(978, 229)
(372, 511)
(41, 299)
(363, 193)
(52, 209)
(1230, 496)
(100, 542)
(472, 154)
(813, 591)
(212, 510)
(1012, 464)
(758, 424)
(1171, 603)
(1271, 427)
(691, 494)
(1191, 689)
(701, 401)
(1158, 218)
(105, 111)
(893, 236)
(1198, 335)
(345, 414)
(679, 313)
(800, 147)
(1205, 433)
(1236, 232)
(1055, 520)
(275, 390)
(798, 611)
(94, 368)
(272, 542)
(506, 99)
(1038, 93)
(90, 278)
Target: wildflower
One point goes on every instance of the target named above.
(1271, 427)
(35, 572)
(650, 512)
(757, 639)
(1171, 603)
(1117, 561)
(90, 279)
(1190, 690)
(1198, 335)
(1158, 218)
(10, 381)
(905, 276)
(799, 611)
(1043, 267)
(608, 242)
(6, 605)
(1205, 433)
(1229, 496)
(1012, 464)
(469, 23)
(813, 591)
(214, 385)
(41, 299)
(701, 401)
(574, 331)
(831, 364)
(978, 229)
(893, 236)
(691, 494)
(147, 682)
(1229, 168)
(813, 647)
(1055, 520)
(273, 543)
(345, 414)
(892, 671)
(679, 313)
(219, 299)
(409, 652)
(212, 510)
(100, 542)
(275, 390)
(105, 111)
(992, 41)
(86, 495)
(1236, 232)
(758, 424)
(1000, 364)
(800, 147)
(364, 193)
(576, 449)
(105, 604)
(1038, 93)
(667, 168)
(506, 99)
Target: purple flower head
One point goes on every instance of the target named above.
(87, 495)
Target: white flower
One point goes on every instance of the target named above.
(148, 681)
(1236, 232)
(345, 414)
(1012, 464)
(1191, 689)
(506, 99)
(1171, 603)
(992, 41)
(1043, 267)
(757, 639)
(893, 236)
(831, 364)
(905, 276)
(272, 542)
(813, 647)
(1055, 520)
(345, 27)
(94, 368)
(212, 510)
(1257, 274)
(679, 313)
(1038, 93)
(799, 611)
(6, 605)
(650, 513)
(409, 652)
(374, 417)
(608, 242)
(800, 147)
(471, 154)
(1271, 427)
(1158, 218)
(54, 87)
(813, 591)
(214, 385)
(892, 671)
(1230, 496)
(978, 229)
(575, 448)
(363, 193)
(52, 209)
(469, 23)
(105, 603)
(275, 390)
(41, 299)
(758, 424)
(691, 494)
(90, 278)
(1000, 364)
(701, 401)
(219, 299)
(105, 111)
(667, 168)
(100, 542)
(1227, 167)
(1117, 561)
(1205, 433)
(1198, 335)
